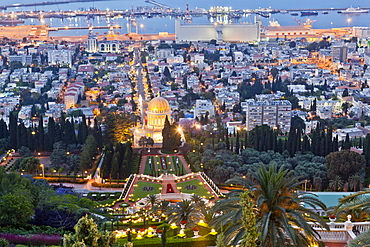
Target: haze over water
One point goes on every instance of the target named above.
(155, 25)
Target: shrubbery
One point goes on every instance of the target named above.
(34, 240)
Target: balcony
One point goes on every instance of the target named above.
(341, 233)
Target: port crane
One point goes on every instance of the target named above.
(307, 23)
(188, 18)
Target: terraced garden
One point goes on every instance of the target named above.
(193, 187)
(143, 189)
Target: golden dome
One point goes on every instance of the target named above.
(159, 105)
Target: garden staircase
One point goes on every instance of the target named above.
(211, 184)
(128, 186)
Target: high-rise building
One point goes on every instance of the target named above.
(276, 114)
(92, 44)
(339, 53)
(60, 57)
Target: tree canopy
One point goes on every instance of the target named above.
(344, 164)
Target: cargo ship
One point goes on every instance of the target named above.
(10, 22)
(305, 13)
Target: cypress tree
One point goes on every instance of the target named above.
(30, 139)
(279, 147)
(237, 145)
(51, 134)
(274, 141)
(85, 130)
(13, 130)
(97, 134)
(227, 141)
(107, 163)
(3, 129)
(329, 142)
(346, 143)
(367, 149)
(336, 144)
(18, 132)
(23, 136)
(58, 134)
(115, 167)
(63, 134)
(41, 135)
(72, 133)
(79, 134)
(246, 141)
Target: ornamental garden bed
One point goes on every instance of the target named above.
(193, 187)
(143, 189)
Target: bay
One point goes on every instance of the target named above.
(167, 24)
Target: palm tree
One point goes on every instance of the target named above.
(184, 211)
(354, 182)
(336, 183)
(361, 240)
(196, 199)
(162, 208)
(151, 200)
(281, 215)
(357, 205)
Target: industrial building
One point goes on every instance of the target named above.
(243, 32)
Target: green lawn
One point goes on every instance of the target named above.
(139, 193)
(200, 189)
(157, 168)
(147, 170)
(182, 170)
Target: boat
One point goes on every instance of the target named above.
(325, 12)
(294, 13)
(357, 10)
(10, 22)
(305, 13)
(274, 23)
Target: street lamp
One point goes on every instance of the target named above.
(349, 21)
(43, 170)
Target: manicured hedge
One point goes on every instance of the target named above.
(107, 185)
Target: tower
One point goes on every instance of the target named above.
(132, 23)
(92, 43)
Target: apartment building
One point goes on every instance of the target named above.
(276, 114)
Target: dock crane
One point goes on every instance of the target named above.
(188, 18)
(307, 23)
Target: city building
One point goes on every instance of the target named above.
(24, 59)
(324, 112)
(60, 57)
(276, 114)
(291, 31)
(202, 107)
(92, 44)
(109, 47)
(339, 53)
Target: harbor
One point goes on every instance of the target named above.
(158, 17)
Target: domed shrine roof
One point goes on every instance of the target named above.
(159, 105)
